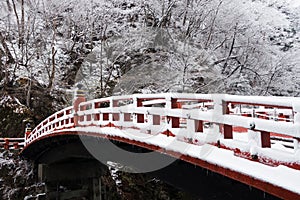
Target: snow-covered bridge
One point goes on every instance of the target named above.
(252, 139)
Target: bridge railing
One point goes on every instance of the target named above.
(184, 116)
(11, 143)
(62, 119)
(194, 110)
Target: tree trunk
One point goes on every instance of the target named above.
(52, 76)
(28, 93)
(208, 41)
(11, 60)
(230, 51)
(22, 28)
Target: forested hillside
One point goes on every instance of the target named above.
(120, 47)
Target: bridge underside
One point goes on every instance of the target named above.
(63, 159)
(67, 168)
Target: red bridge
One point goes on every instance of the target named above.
(252, 139)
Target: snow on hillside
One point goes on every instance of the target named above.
(245, 47)
(294, 3)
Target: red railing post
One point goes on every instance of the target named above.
(16, 145)
(27, 132)
(156, 119)
(220, 109)
(127, 117)
(198, 126)
(140, 117)
(265, 139)
(175, 120)
(6, 143)
(79, 98)
(27, 128)
(199, 123)
(115, 116)
(227, 128)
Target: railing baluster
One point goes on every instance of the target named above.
(265, 139)
(139, 117)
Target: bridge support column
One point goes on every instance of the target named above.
(81, 179)
(97, 189)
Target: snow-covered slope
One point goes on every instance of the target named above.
(208, 46)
